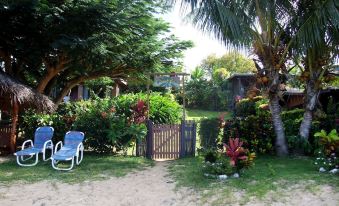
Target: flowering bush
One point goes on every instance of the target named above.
(327, 156)
(327, 162)
(220, 167)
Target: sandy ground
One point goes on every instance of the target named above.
(152, 186)
(148, 187)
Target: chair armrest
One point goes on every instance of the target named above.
(25, 142)
(56, 146)
(48, 144)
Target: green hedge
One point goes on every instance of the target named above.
(246, 107)
(258, 133)
(107, 123)
(209, 132)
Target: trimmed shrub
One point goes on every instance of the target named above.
(209, 132)
(256, 132)
(246, 107)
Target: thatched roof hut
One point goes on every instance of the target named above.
(15, 96)
(12, 91)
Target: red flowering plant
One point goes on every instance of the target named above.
(239, 156)
(139, 112)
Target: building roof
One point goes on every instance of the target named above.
(241, 75)
(11, 90)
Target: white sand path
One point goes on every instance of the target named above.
(152, 186)
(148, 187)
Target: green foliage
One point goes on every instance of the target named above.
(245, 107)
(330, 141)
(110, 125)
(256, 132)
(29, 121)
(220, 75)
(328, 153)
(298, 145)
(221, 166)
(209, 133)
(84, 40)
(203, 94)
(229, 63)
(197, 74)
(163, 109)
(292, 114)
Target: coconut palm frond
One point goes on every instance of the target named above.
(322, 16)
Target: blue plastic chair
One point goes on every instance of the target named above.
(42, 142)
(73, 149)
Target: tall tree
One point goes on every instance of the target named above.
(59, 44)
(317, 57)
(233, 62)
(263, 26)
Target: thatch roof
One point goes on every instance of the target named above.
(12, 91)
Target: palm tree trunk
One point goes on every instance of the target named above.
(310, 103)
(280, 142)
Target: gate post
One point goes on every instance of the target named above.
(149, 139)
(182, 140)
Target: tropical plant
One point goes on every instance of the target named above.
(268, 27)
(239, 156)
(235, 151)
(197, 74)
(329, 141)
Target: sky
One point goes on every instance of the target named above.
(204, 44)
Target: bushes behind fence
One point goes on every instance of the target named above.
(107, 123)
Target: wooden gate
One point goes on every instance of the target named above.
(170, 141)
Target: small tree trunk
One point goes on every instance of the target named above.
(310, 103)
(15, 113)
(45, 80)
(280, 142)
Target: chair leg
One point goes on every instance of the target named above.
(27, 165)
(54, 165)
(80, 155)
(44, 154)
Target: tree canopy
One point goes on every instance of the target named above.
(232, 62)
(58, 44)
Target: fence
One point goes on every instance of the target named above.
(5, 134)
(169, 141)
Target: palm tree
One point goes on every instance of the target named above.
(317, 57)
(197, 74)
(265, 27)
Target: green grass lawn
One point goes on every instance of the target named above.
(268, 174)
(93, 167)
(196, 114)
